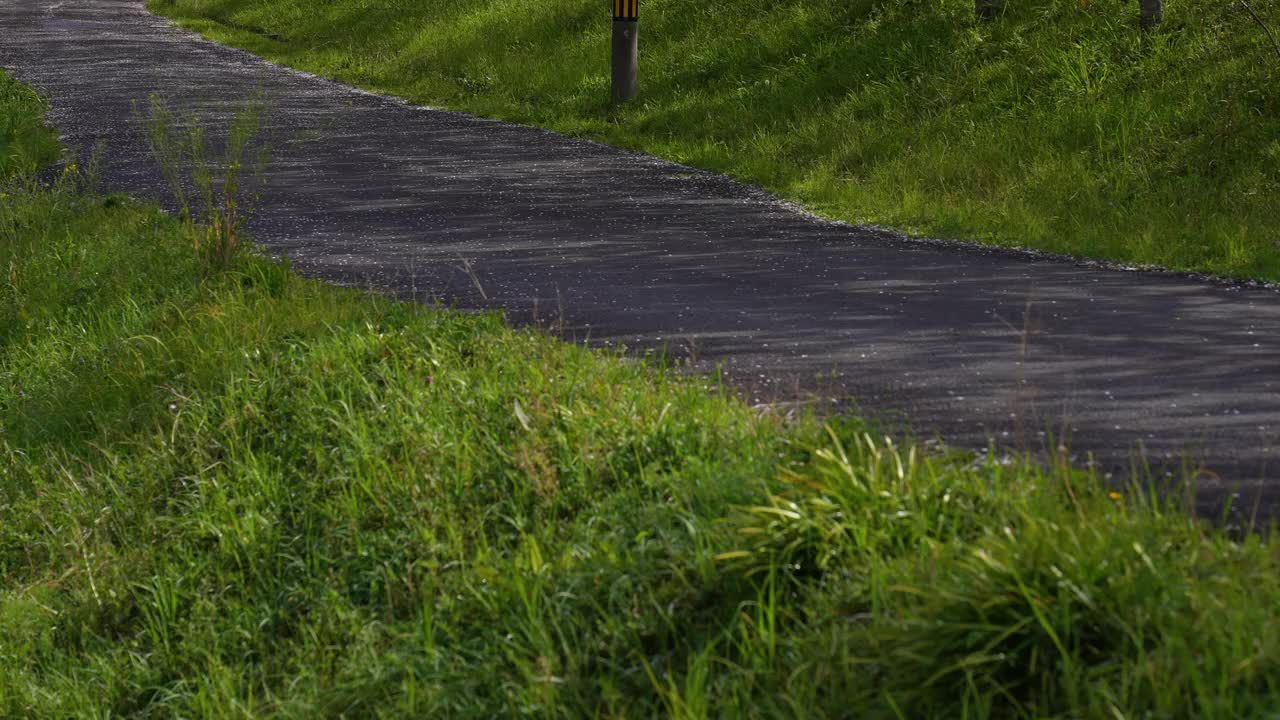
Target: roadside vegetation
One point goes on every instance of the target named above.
(25, 143)
(1058, 125)
(226, 491)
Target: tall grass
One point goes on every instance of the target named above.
(1059, 125)
(25, 143)
(214, 195)
(236, 493)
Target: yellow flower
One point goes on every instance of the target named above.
(1115, 496)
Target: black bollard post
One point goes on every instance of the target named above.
(626, 49)
(1151, 13)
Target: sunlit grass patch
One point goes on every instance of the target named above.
(227, 491)
(1058, 126)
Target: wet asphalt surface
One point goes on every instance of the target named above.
(975, 346)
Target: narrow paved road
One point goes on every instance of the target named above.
(971, 344)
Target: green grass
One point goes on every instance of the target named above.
(231, 492)
(25, 143)
(1058, 126)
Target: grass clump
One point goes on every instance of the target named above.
(25, 143)
(213, 198)
(231, 492)
(1059, 125)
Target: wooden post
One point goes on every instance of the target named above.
(626, 49)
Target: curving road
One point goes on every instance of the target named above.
(975, 345)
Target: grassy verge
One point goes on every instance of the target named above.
(232, 492)
(25, 143)
(1058, 126)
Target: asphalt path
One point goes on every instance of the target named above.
(979, 347)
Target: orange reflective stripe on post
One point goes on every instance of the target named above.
(626, 9)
